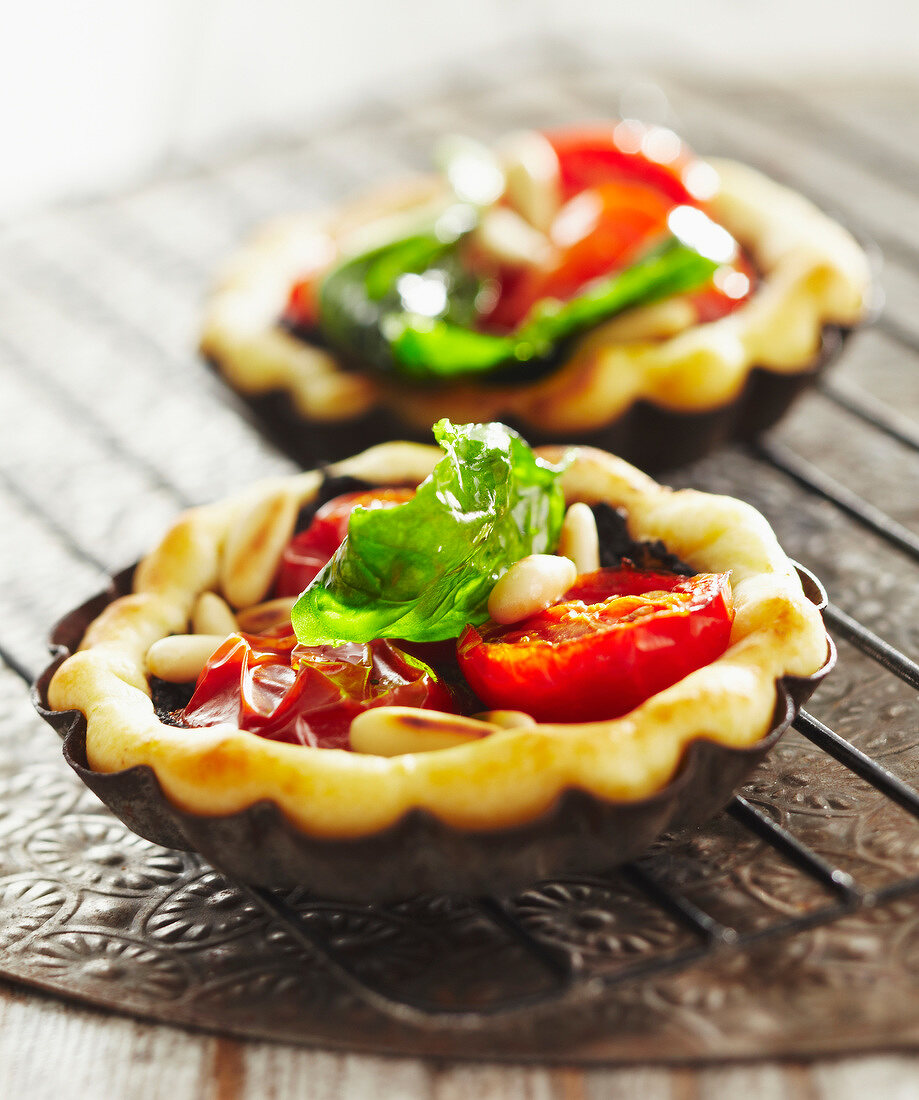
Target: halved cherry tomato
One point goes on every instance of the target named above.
(616, 203)
(618, 637)
(309, 551)
(273, 687)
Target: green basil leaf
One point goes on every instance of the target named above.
(409, 306)
(421, 273)
(424, 348)
(424, 569)
(356, 295)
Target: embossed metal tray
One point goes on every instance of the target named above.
(787, 925)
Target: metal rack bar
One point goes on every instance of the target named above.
(69, 404)
(859, 762)
(863, 223)
(553, 961)
(820, 484)
(57, 528)
(27, 675)
(874, 412)
(872, 646)
(408, 1009)
(702, 923)
(841, 882)
(891, 327)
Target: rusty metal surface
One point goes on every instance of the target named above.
(112, 426)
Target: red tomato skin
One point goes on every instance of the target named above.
(311, 549)
(302, 309)
(270, 686)
(612, 668)
(711, 304)
(591, 155)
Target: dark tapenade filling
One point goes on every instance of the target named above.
(618, 546)
(169, 700)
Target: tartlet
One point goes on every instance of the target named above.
(512, 806)
(651, 384)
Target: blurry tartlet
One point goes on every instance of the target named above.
(316, 341)
(510, 799)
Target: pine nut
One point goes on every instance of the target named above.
(531, 584)
(579, 539)
(212, 615)
(531, 172)
(266, 616)
(181, 657)
(505, 236)
(254, 546)
(392, 731)
(654, 322)
(506, 719)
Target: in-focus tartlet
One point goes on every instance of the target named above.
(471, 797)
(600, 286)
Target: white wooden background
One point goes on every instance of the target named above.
(52, 1051)
(97, 92)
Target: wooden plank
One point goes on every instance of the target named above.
(43, 580)
(51, 1051)
(106, 505)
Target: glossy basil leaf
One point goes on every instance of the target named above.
(425, 348)
(418, 275)
(424, 569)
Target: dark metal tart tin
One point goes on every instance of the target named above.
(419, 853)
(649, 436)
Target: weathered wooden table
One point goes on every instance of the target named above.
(795, 931)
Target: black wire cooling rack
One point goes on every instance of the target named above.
(724, 940)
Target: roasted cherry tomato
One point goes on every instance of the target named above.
(616, 202)
(309, 551)
(732, 284)
(617, 637)
(270, 685)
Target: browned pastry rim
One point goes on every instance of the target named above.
(655, 439)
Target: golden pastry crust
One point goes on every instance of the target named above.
(507, 778)
(814, 274)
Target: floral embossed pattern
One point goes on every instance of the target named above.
(97, 851)
(91, 908)
(96, 959)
